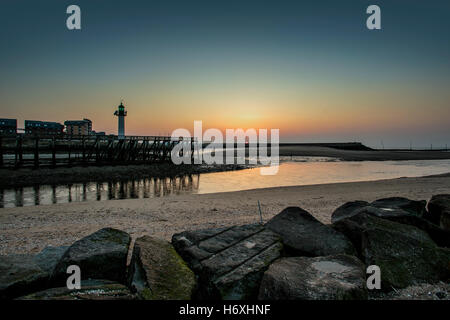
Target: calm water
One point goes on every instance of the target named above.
(299, 171)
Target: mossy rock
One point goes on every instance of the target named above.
(101, 255)
(405, 259)
(157, 272)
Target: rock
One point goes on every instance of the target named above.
(101, 255)
(49, 257)
(382, 208)
(413, 207)
(354, 227)
(338, 277)
(347, 210)
(157, 272)
(22, 274)
(19, 275)
(405, 258)
(445, 221)
(90, 290)
(439, 235)
(230, 262)
(438, 205)
(393, 209)
(404, 253)
(303, 234)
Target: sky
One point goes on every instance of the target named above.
(309, 68)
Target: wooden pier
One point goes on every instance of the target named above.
(51, 151)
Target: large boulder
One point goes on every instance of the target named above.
(304, 235)
(101, 255)
(19, 274)
(395, 209)
(439, 208)
(404, 253)
(48, 258)
(354, 226)
(230, 262)
(157, 272)
(90, 290)
(445, 220)
(339, 277)
(25, 273)
(389, 208)
(405, 259)
(347, 210)
(413, 207)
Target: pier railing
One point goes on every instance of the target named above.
(26, 150)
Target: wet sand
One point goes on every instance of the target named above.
(30, 229)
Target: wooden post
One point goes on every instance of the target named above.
(97, 150)
(36, 153)
(53, 152)
(70, 151)
(84, 149)
(1, 152)
(19, 152)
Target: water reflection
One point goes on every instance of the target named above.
(95, 191)
(300, 171)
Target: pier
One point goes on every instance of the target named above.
(51, 151)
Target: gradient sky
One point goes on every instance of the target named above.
(311, 69)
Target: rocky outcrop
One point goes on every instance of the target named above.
(388, 208)
(445, 221)
(19, 274)
(304, 235)
(413, 207)
(395, 209)
(405, 259)
(347, 210)
(339, 277)
(439, 208)
(404, 253)
(90, 290)
(292, 256)
(157, 272)
(230, 262)
(49, 257)
(22, 274)
(101, 255)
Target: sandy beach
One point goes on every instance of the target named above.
(30, 229)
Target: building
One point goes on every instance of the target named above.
(8, 126)
(121, 114)
(78, 127)
(43, 127)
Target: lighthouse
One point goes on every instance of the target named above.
(121, 113)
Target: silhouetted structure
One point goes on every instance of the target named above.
(43, 127)
(121, 113)
(78, 127)
(8, 126)
(26, 150)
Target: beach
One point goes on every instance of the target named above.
(30, 229)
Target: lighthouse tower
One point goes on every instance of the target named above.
(121, 113)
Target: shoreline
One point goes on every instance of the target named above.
(30, 229)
